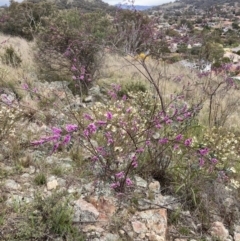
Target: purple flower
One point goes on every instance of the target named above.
(129, 182)
(74, 68)
(71, 127)
(188, 114)
(124, 97)
(115, 185)
(116, 87)
(66, 139)
(101, 123)
(140, 150)
(95, 158)
(110, 141)
(175, 147)
(25, 86)
(112, 94)
(179, 118)
(169, 121)
(55, 147)
(92, 128)
(135, 164)
(163, 141)
(179, 137)
(109, 115)
(120, 175)
(201, 162)
(101, 151)
(214, 161)
(204, 151)
(52, 138)
(188, 142)
(86, 133)
(88, 117)
(148, 142)
(56, 130)
(128, 110)
(37, 143)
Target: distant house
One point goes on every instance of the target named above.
(197, 45)
(173, 47)
(202, 66)
(235, 50)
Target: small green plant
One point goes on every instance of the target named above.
(184, 231)
(132, 87)
(174, 216)
(11, 57)
(58, 171)
(49, 217)
(40, 179)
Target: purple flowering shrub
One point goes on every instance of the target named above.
(132, 135)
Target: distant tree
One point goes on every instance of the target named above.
(172, 33)
(182, 48)
(186, 22)
(24, 19)
(212, 52)
(165, 16)
(133, 30)
(199, 20)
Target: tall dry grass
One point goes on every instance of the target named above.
(15, 76)
(171, 79)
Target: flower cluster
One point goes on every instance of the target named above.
(128, 139)
(59, 137)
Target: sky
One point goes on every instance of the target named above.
(112, 2)
(3, 2)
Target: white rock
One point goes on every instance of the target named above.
(140, 182)
(25, 175)
(52, 185)
(88, 99)
(139, 227)
(154, 186)
(111, 237)
(84, 211)
(12, 185)
(51, 159)
(219, 231)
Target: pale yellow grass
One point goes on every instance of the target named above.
(125, 69)
(25, 73)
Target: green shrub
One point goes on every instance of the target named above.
(24, 19)
(40, 179)
(225, 60)
(132, 87)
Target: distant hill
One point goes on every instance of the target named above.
(85, 5)
(135, 7)
(198, 4)
(208, 3)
